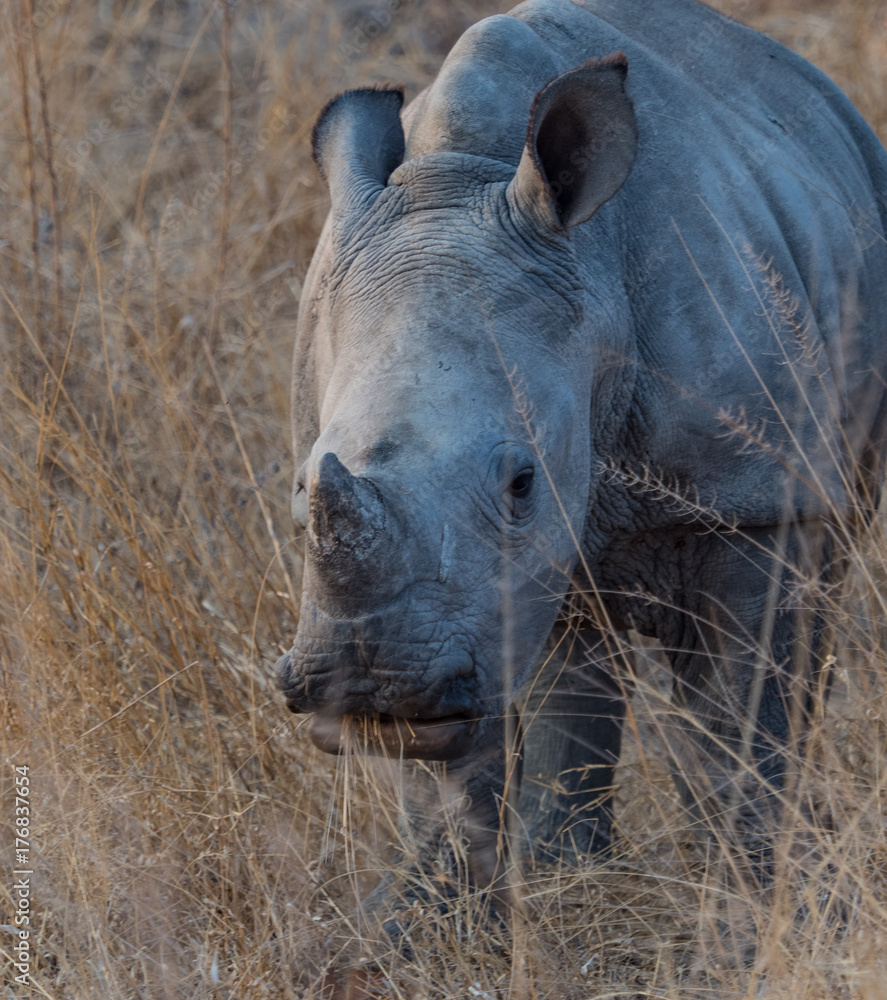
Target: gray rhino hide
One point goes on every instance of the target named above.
(665, 306)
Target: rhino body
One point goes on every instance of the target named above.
(595, 338)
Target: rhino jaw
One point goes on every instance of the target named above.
(443, 737)
(447, 738)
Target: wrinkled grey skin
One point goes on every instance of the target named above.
(626, 343)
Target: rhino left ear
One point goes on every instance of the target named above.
(581, 144)
(357, 141)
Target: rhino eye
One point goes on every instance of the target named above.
(522, 484)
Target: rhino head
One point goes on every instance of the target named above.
(453, 372)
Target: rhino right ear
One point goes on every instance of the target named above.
(357, 141)
(581, 144)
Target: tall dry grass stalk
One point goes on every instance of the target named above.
(187, 839)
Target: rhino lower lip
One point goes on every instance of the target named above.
(447, 738)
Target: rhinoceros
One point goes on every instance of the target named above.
(594, 339)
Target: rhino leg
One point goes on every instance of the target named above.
(747, 671)
(450, 836)
(572, 727)
(569, 732)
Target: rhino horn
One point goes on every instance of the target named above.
(346, 514)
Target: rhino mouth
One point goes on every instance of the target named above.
(446, 738)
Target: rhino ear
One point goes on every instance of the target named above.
(581, 144)
(357, 141)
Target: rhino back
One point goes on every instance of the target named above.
(749, 235)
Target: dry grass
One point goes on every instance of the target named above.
(159, 212)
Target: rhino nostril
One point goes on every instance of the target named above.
(458, 698)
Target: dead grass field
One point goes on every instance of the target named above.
(159, 210)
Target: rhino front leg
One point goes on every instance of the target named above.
(451, 835)
(746, 663)
(573, 711)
